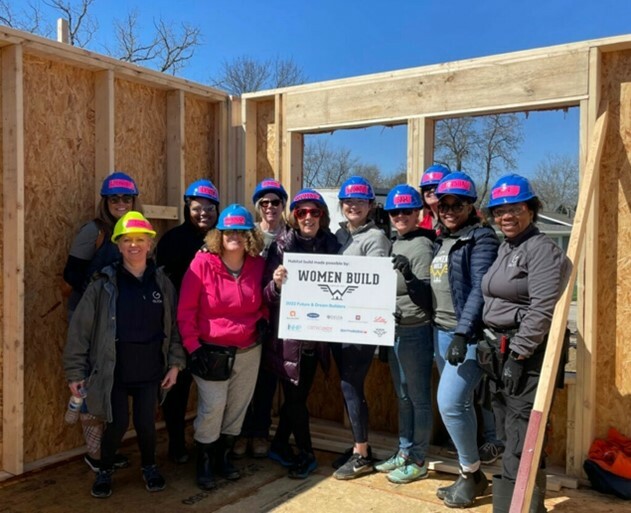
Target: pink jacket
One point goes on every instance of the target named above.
(217, 307)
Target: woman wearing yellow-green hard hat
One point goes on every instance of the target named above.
(138, 355)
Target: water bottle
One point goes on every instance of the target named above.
(74, 407)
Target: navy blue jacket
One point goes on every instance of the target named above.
(469, 259)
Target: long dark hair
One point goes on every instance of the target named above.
(474, 218)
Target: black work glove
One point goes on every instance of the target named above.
(198, 362)
(402, 264)
(263, 331)
(511, 375)
(397, 316)
(457, 350)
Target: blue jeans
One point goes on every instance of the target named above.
(456, 390)
(411, 360)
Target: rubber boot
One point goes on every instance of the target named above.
(443, 491)
(205, 461)
(503, 494)
(467, 487)
(223, 462)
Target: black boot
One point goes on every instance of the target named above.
(223, 461)
(467, 487)
(539, 493)
(503, 494)
(205, 461)
(443, 491)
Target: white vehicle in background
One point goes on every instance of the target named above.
(330, 196)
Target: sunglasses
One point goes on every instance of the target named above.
(401, 211)
(456, 208)
(209, 210)
(514, 210)
(125, 198)
(429, 191)
(230, 233)
(301, 213)
(266, 203)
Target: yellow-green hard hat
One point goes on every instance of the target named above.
(132, 222)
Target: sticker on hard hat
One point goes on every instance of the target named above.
(305, 196)
(432, 176)
(138, 223)
(235, 221)
(122, 183)
(204, 189)
(403, 199)
(505, 191)
(454, 184)
(270, 183)
(357, 189)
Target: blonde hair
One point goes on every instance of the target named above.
(253, 241)
(106, 220)
(257, 207)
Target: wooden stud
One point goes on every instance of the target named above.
(249, 114)
(175, 150)
(13, 259)
(533, 442)
(236, 149)
(291, 172)
(162, 212)
(278, 135)
(63, 33)
(420, 148)
(103, 129)
(228, 185)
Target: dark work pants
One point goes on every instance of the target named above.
(258, 418)
(516, 410)
(144, 403)
(294, 415)
(353, 362)
(174, 409)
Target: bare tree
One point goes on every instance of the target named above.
(556, 183)
(246, 74)
(326, 167)
(29, 19)
(454, 141)
(81, 24)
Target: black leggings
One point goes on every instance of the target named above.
(144, 403)
(174, 410)
(353, 362)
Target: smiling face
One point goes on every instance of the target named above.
(512, 219)
(118, 205)
(308, 215)
(404, 220)
(454, 212)
(271, 208)
(135, 247)
(429, 197)
(233, 241)
(203, 213)
(356, 211)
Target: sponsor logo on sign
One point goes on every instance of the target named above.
(337, 294)
(345, 330)
(325, 329)
(380, 320)
(358, 317)
(334, 317)
(379, 332)
(294, 327)
(313, 315)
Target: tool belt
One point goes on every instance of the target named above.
(492, 351)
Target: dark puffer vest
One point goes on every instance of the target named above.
(282, 357)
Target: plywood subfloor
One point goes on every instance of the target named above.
(264, 487)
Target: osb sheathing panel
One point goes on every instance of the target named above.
(200, 157)
(1, 274)
(59, 196)
(613, 379)
(266, 140)
(140, 140)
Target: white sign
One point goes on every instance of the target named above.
(335, 298)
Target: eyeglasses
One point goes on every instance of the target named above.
(266, 203)
(513, 210)
(230, 233)
(355, 202)
(401, 211)
(125, 198)
(209, 210)
(301, 213)
(456, 208)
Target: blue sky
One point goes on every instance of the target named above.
(336, 38)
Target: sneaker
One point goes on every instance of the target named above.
(342, 458)
(395, 461)
(154, 482)
(356, 466)
(283, 456)
(120, 461)
(490, 452)
(102, 487)
(240, 448)
(407, 473)
(302, 468)
(260, 447)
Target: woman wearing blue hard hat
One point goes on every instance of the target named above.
(412, 357)
(175, 251)
(222, 320)
(520, 290)
(295, 361)
(463, 252)
(269, 199)
(91, 251)
(358, 236)
(429, 181)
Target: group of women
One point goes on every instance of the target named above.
(454, 280)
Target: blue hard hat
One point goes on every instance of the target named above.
(457, 184)
(308, 195)
(119, 183)
(235, 217)
(403, 196)
(433, 175)
(510, 189)
(202, 189)
(269, 185)
(356, 187)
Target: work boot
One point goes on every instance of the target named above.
(223, 460)
(205, 461)
(503, 494)
(467, 487)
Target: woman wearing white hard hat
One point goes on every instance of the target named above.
(122, 342)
